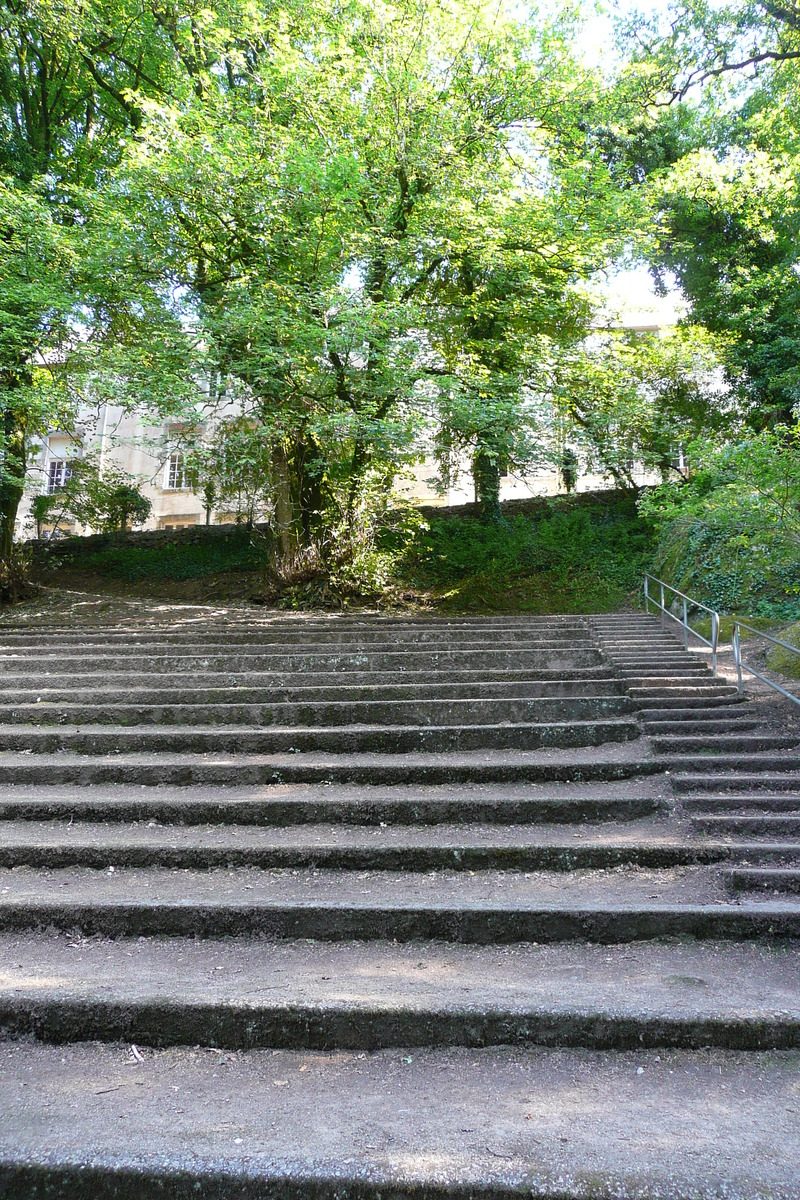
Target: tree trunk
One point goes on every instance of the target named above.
(12, 482)
(486, 475)
(285, 515)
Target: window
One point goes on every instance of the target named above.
(176, 473)
(58, 472)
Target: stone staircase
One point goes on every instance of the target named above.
(352, 908)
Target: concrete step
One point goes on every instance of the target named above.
(483, 907)
(352, 847)
(762, 879)
(695, 710)
(369, 626)
(158, 691)
(757, 773)
(359, 638)
(661, 672)
(711, 744)
(700, 693)
(635, 654)
(483, 658)
(780, 825)
(732, 802)
(699, 730)
(435, 712)
(93, 1120)
(607, 762)
(241, 994)
(672, 686)
(287, 804)
(294, 680)
(345, 739)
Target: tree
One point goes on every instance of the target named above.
(71, 78)
(636, 400)
(725, 192)
(342, 204)
(730, 534)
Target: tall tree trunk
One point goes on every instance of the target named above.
(285, 515)
(486, 475)
(12, 481)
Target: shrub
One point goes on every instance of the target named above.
(730, 535)
(15, 575)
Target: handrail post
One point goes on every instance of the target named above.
(685, 625)
(714, 641)
(647, 594)
(663, 609)
(737, 653)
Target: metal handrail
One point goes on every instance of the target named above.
(736, 643)
(684, 620)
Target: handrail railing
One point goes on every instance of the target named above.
(684, 619)
(736, 642)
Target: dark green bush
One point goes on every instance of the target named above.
(606, 540)
(190, 561)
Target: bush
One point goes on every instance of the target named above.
(15, 575)
(194, 560)
(579, 557)
(782, 660)
(730, 535)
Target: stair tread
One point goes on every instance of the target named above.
(505, 889)
(709, 980)
(459, 1122)
(611, 752)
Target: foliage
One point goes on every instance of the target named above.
(633, 401)
(375, 215)
(15, 576)
(729, 232)
(106, 501)
(779, 659)
(171, 562)
(72, 75)
(576, 554)
(730, 534)
(720, 151)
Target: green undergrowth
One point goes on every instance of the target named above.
(784, 661)
(584, 553)
(565, 555)
(702, 625)
(167, 563)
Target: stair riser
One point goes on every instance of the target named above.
(394, 740)
(730, 770)
(752, 743)
(183, 774)
(304, 630)
(697, 729)
(295, 1027)
(736, 783)
(395, 858)
(703, 716)
(689, 694)
(481, 659)
(211, 643)
(702, 708)
(441, 712)
(293, 680)
(785, 882)
(483, 926)
(726, 804)
(156, 694)
(781, 827)
(366, 812)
